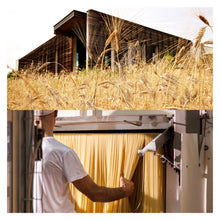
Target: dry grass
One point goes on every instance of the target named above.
(147, 86)
(182, 82)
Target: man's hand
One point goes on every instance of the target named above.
(127, 185)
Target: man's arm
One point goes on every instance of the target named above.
(104, 194)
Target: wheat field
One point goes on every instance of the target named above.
(144, 86)
(183, 81)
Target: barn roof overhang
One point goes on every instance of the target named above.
(66, 25)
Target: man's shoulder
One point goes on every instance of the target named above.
(62, 146)
(56, 145)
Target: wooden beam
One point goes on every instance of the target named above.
(112, 56)
(74, 39)
(56, 60)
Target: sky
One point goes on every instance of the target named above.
(30, 23)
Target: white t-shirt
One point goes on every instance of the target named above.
(60, 166)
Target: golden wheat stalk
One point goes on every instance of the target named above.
(108, 41)
(73, 82)
(53, 93)
(102, 54)
(208, 42)
(179, 56)
(205, 21)
(200, 36)
(125, 96)
(44, 65)
(48, 63)
(105, 82)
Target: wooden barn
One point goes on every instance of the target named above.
(83, 40)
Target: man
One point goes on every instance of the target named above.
(61, 166)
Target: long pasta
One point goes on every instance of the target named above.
(104, 156)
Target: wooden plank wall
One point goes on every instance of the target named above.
(96, 36)
(149, 39)
(47, 53)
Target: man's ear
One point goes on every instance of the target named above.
(55, 113)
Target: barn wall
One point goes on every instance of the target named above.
(132, 38)
(56, 50)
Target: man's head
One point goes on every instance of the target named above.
(45, 119)
(43, 112)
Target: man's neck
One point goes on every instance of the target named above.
(48, 134)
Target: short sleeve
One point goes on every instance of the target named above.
(73, 168)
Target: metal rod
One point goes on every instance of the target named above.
(136, 123)
(156, 143)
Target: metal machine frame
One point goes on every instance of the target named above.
(186, 137)
(181, 133)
